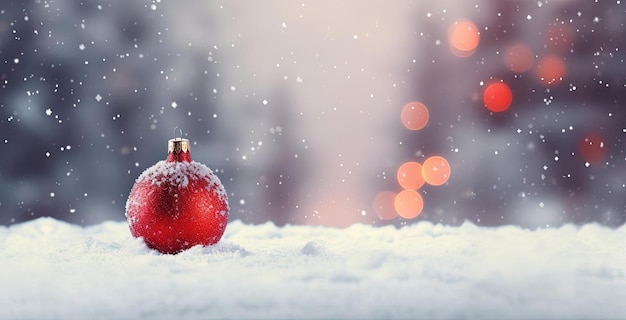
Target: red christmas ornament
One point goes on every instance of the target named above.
(177, 203)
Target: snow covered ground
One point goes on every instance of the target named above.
(51, 269)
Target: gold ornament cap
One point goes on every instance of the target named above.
(178, 145)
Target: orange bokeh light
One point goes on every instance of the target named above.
(518, 57)
(497, 97)
(414, 116)
(463, 37)
(436, 170)
(409, 204)
(592, 148)
(384, 205)
(410, 176)
(550, 70)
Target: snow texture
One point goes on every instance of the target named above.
(53, 269)
(179, 173)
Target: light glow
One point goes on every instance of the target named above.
(409, 204)
(592, 148)
(550, 70)
(436, 170)
(518, 58)
(497, 97)
(463, 37)
(414, 116)
(410, 176)
(384, 206)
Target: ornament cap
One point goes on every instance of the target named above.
(178, 145)
(178, 150)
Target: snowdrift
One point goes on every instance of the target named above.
(51, 269)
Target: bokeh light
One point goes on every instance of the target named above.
(559, 37)
(408, 204)
(410, 176)
(384, 206)
(497, 97)
(518, 57)
(550, 70)
(414, 116)
(463, 37)
(436, 170)
(592, 148)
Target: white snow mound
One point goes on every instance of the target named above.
(51, 269)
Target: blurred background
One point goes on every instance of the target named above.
(307, 110)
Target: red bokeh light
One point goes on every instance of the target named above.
(559, 37)
(550, 70)
(497, 97)
(592, 148)
(518, 57)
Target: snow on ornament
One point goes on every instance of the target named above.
(177, 203)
